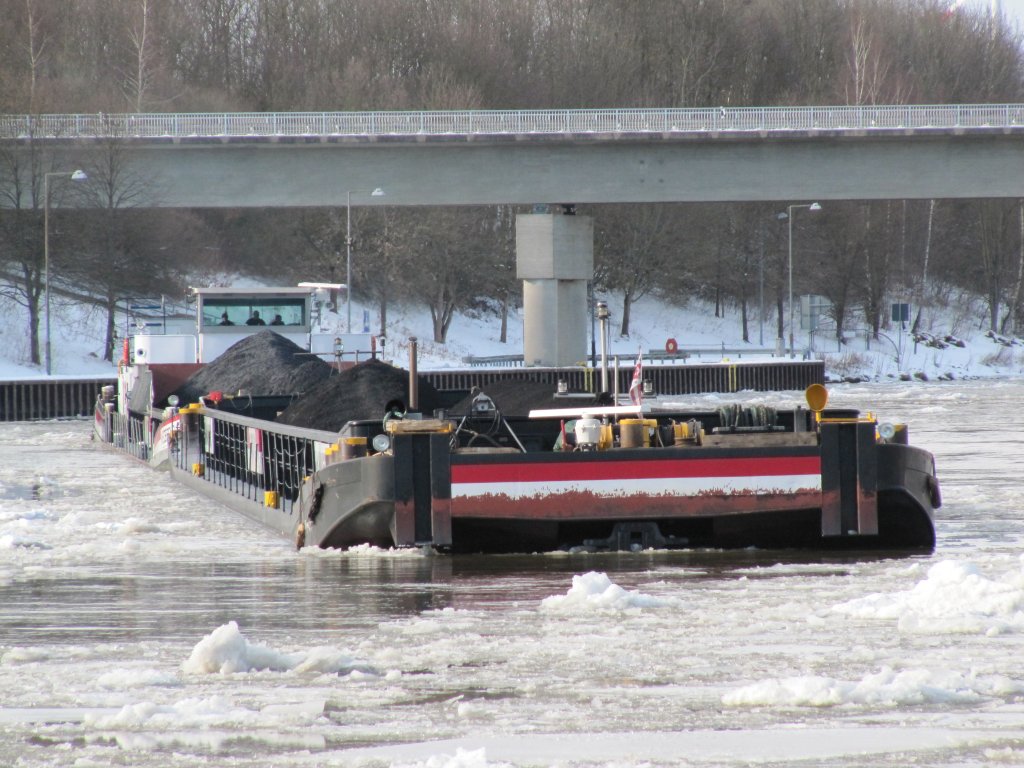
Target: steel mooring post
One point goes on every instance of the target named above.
(849, 479)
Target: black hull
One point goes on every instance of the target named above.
(845, 491)
(903, 527)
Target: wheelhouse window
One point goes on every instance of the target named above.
(254, 311)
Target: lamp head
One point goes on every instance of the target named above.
(814, 207)
(378, 192)
(79, 175)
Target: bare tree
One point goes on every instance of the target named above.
(21, 233)
(95, 55)
(868, 76)
(996, 222)
(634, 244)
(138, 80)
(36, 46)
(879, 238)
(447, 253)
(1013, 304)
(118, 260)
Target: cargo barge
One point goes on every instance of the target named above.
(577, 472)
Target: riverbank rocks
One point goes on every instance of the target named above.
(360, 392)
(265, 363)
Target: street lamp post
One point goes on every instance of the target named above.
(378, 192)
(78, 175)
(789, 215)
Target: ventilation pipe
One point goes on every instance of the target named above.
(602, 315)
(414, 389)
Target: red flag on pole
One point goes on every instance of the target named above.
(636, 391)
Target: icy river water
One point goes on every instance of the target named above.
(142, 625)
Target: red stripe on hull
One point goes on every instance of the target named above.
(539, 471)
(583, 505)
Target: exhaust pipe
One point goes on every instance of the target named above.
(602, 316)
(414, 381)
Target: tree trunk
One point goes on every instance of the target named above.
(839, 312)
(441, 315)
(1009, 324)
(33, 324)
(924, 269)
(503, 337)
(437, 326)
(870, 305)
(110, 335)
(928, 243)
(994, 291)
(627, 304)
(33, 293)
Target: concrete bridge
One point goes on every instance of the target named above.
(552, 156)
(549, 156)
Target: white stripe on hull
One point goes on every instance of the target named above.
(681, 486)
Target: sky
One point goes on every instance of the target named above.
(1012, 9)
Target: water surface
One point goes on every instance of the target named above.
(142, 625)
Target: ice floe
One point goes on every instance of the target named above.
(226, 651)
(595, 590)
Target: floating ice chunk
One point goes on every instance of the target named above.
(954, 597)
(463, 758)
(22, 516)
(327, 661)
(208, 712)
(596, 591)
(120, 679)
(226, 651)
(886, 687)
(41, 488)
(305, 711)
(21, 542)
(367, 551)
(134, 525)
(24, 656)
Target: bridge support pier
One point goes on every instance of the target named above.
(554, 259)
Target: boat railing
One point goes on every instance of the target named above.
(262, 462)
(128, 432)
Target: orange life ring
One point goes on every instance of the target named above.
(671, 346)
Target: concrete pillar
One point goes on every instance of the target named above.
(554, 259)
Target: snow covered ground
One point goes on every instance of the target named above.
(77, 341)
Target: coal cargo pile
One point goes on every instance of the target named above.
(262, 364)
(515, 399)
(360, 392)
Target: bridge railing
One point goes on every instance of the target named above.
(516, 122)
